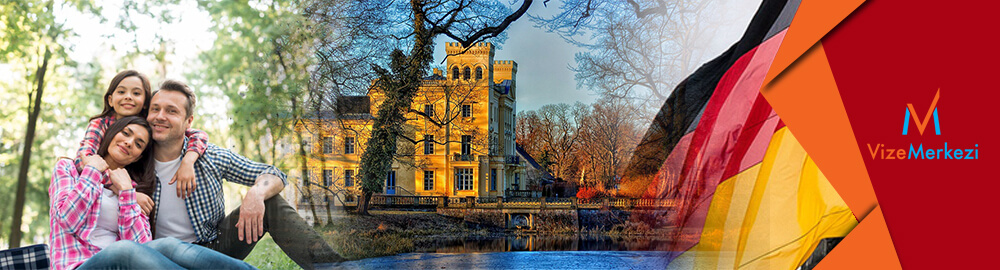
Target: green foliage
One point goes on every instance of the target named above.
(27, 30)
(260, 61)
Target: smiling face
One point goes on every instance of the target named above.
(127, 146)
(128, 98)
(168, 116)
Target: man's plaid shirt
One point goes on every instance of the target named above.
(206, 205)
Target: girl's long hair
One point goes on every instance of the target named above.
(108, 111)
(143, 170)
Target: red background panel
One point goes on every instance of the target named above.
(940, 213)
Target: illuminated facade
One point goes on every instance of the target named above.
(459, 140)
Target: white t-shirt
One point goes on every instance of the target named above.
(172, 218)
(106, 231)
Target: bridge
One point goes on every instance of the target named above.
(399, 201)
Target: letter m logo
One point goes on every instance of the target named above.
(922, 124)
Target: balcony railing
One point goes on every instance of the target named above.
(522, 193)
(515, 159)
(461, 157)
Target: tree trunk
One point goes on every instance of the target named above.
(303, 164)
(381, 148)
(363, 204)
(29, 140)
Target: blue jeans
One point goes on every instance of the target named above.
(126, 254)
(164, 253)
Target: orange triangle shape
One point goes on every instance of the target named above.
(808, 101)
(868, 246)
(812, 21)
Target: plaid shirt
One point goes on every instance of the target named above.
(206, 205)
(95, 133)
(74, 200)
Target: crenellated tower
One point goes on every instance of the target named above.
(470, 64)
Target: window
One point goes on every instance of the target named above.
(463, 178)
(326, 198)
(428, 180)
(466, 73)
(307, 143)
(349, 198)
(390, 183)
(327, 178)
(327, 145)
(348, 178)
(466, 145)
(454, 73)
(348, 145)
(479, 73)
(466, 110)
(517, 178)
(303, 199)
(493, 179)
(428, 144)
(429, 110)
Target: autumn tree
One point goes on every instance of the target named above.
(558, 133)
(611, 131)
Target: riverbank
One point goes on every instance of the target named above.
(386, 233)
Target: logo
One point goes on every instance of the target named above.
(883, 152)
(921, 125)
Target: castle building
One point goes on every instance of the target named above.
(458, 141)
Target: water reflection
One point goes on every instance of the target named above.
(539, 243)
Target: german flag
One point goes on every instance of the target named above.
(744, 193)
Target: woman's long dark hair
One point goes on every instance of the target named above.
(143, 170)
(108, 111)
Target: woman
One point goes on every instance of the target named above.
(95, 220)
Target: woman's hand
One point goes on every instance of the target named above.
(120, 180)
(95, 161)
(145, 202)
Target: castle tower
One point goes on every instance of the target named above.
(504, 70)
(471, 64)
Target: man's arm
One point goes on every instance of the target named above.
(239, 169)
(267, 182)
(251, 223)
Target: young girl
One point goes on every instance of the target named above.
(129, 94)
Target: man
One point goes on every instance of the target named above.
(200, 217)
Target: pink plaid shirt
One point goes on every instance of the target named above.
(74, 200)
(197, 139)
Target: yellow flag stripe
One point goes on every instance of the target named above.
(771, 215)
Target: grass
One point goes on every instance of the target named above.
(357, 237)
(267, 255)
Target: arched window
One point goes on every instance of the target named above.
(467, 73)
(454, 73)
(479, 73)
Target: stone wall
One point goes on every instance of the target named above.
(488, 217)
(545, 220)
(557, 221)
